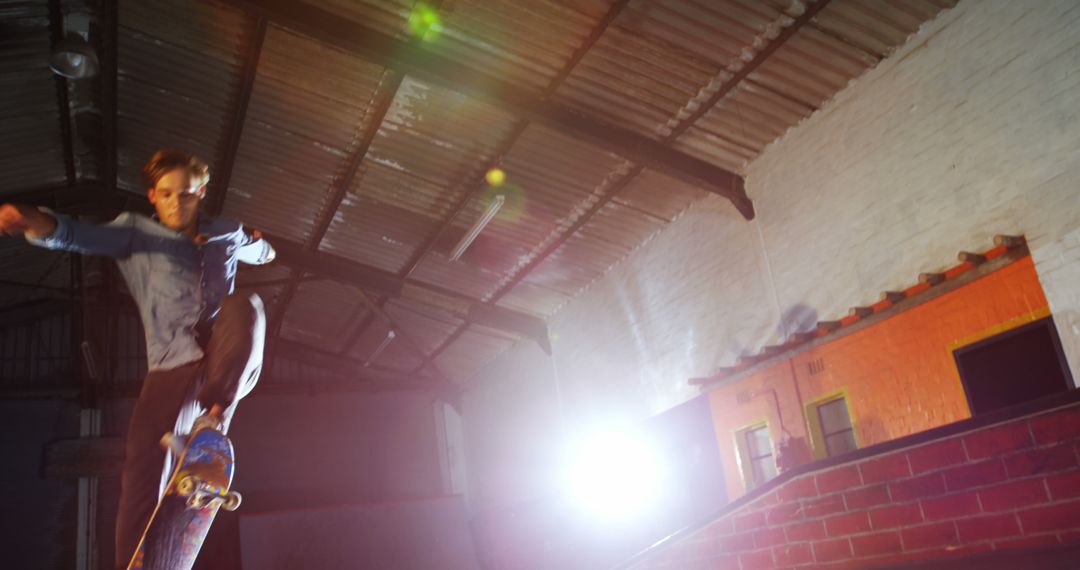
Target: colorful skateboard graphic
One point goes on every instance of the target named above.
(198, 487)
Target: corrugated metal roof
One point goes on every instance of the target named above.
(415, 324)
(549, 177)
(376, 233)
(534, 298)
(401, 358)
(648, 65)
(431, 144)
(369, 340)
(323, 313)
(651, 70)
(476, 347)
(878, 27)
(426, 327)
(31, 149)
(658, 195)
(839, 44)
(178, 65)
(459, 276)
(176, 72)
(308, 108)
(613, 233)
(525, 43)
(389, 16)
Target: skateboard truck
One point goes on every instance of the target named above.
(199, 495)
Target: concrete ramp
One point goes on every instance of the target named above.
(418, 535)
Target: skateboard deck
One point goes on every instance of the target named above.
(199, 486)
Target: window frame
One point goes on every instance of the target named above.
(747, 461)
(826, 435)
(818, 436)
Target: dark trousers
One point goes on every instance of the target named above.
(170, 401)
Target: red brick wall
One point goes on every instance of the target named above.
(1011, 485)
(899, 374)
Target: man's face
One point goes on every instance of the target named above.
(176, 199)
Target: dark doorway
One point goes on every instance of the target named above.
(1013, 367)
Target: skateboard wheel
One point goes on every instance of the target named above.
(185, 486)
(232, 501)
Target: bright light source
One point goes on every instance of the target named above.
(615, 474)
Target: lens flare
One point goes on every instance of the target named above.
(424, 22)
(514, 208)
(495, 177)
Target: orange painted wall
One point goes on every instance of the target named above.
(899, 374)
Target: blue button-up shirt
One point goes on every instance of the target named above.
(177, 284)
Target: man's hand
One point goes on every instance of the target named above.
(16, 219)
(257, 235)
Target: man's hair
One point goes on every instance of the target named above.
(168, 159)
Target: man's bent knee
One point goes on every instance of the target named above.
(243, 307)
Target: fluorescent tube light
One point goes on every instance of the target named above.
(467, 239)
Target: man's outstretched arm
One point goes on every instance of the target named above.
(56, 231)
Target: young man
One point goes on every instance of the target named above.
(204, 342)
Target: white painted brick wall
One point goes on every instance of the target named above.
(1058, 264)
(971, 129)
(686, 301)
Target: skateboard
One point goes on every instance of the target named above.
(199, 486)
